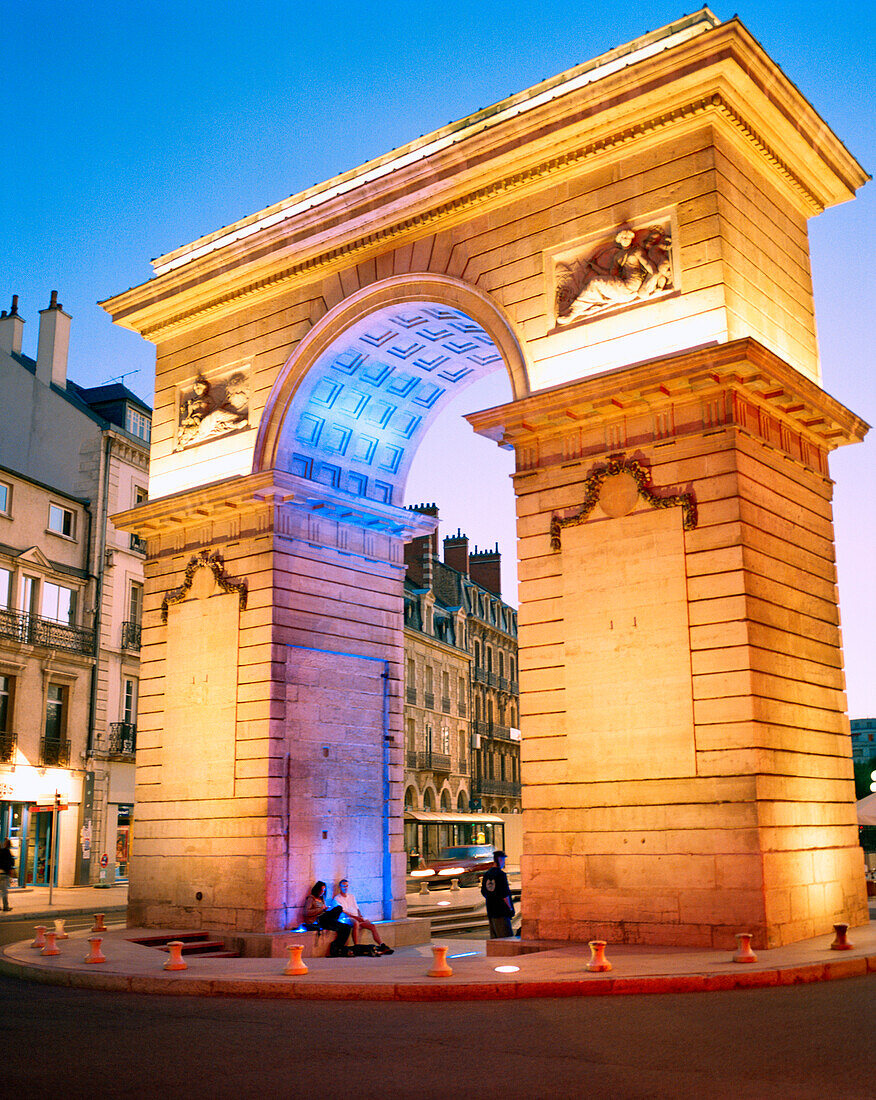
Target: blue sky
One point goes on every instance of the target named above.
(131, 129)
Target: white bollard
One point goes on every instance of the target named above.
(598, 961)
(175, 962)
(295, 965)
(40, 937)
(51, 947)
(440, 967)
(744, 953)
(95, 955)
(59, 929)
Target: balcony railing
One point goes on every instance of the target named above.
(502, 787)
(432, 762)
(8, 744)
(411, 695)
(138, 544)
(445, 703)
(131, 635)
(462, 767)
(122, 739)
(429, 699)
(507, 685)
(54, 754)
(460, 707)
(32, 630)
(411, 760)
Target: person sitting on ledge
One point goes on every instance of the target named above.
(318, 915)
(354, 918)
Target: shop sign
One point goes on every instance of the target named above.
(48, 809)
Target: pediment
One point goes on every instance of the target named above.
(36, 557)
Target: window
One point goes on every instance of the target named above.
(428, 678)
(445, 740)
(501, 663)
(5, 498)
(5, 587)
(411, 673)
(55, 712)
(58, 603)
(135, 602)
(138, 424)
(61, 521)
(29, 590)
(6, 683)
(445, 684)
(410, 735)
(129, 702)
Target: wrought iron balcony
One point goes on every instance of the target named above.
(462, 767)
(8, 744)
(411, 695)
(131, 635)
(445, 703)
(432, 762)
(32, 630)
(429, 699)
(411, 760)
(501, 787)
(54, 754)
(461, 707)
(122, 740)
(138, 544)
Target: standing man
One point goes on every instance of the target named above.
(7, 866)
(350, 906)
(500, 907)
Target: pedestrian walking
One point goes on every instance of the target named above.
(497, 892)
(7, 866)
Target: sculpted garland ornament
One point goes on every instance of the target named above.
(214, 562)
(642, 477)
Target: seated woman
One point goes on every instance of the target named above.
(318, 915)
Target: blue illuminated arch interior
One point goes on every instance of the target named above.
(357, 418)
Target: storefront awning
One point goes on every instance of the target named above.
(427, 817)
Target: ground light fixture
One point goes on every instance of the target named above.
(452, 871)
(421, 874)
(506, 969)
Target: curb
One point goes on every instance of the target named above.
(300, 989)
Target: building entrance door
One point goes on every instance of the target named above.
(38, 846)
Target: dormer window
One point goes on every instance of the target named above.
(138, 424)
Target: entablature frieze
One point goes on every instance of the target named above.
(724, 79)
(739, 385)
(273, 502)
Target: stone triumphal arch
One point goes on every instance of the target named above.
(628, 241)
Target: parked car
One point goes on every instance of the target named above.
(467, 862)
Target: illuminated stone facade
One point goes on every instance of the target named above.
(686, 758)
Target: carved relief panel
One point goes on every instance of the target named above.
(605, 273)
(212, 406)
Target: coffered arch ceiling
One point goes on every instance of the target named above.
(371, 387)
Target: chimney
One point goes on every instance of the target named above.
(485, 569)
(456, 552)
(420, 552)
(11, 329)
(54, 340)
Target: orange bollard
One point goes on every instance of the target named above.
(598, 961)
(841, 943)
(295, 965)
(40, 938)
(175, 962)
(99, 926)
(440, 967)
(744, 953)
(59, 929)
(96, 955)
(51, 947)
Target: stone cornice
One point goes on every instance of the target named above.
(741, 366)
(725, 65)
(262, 492)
